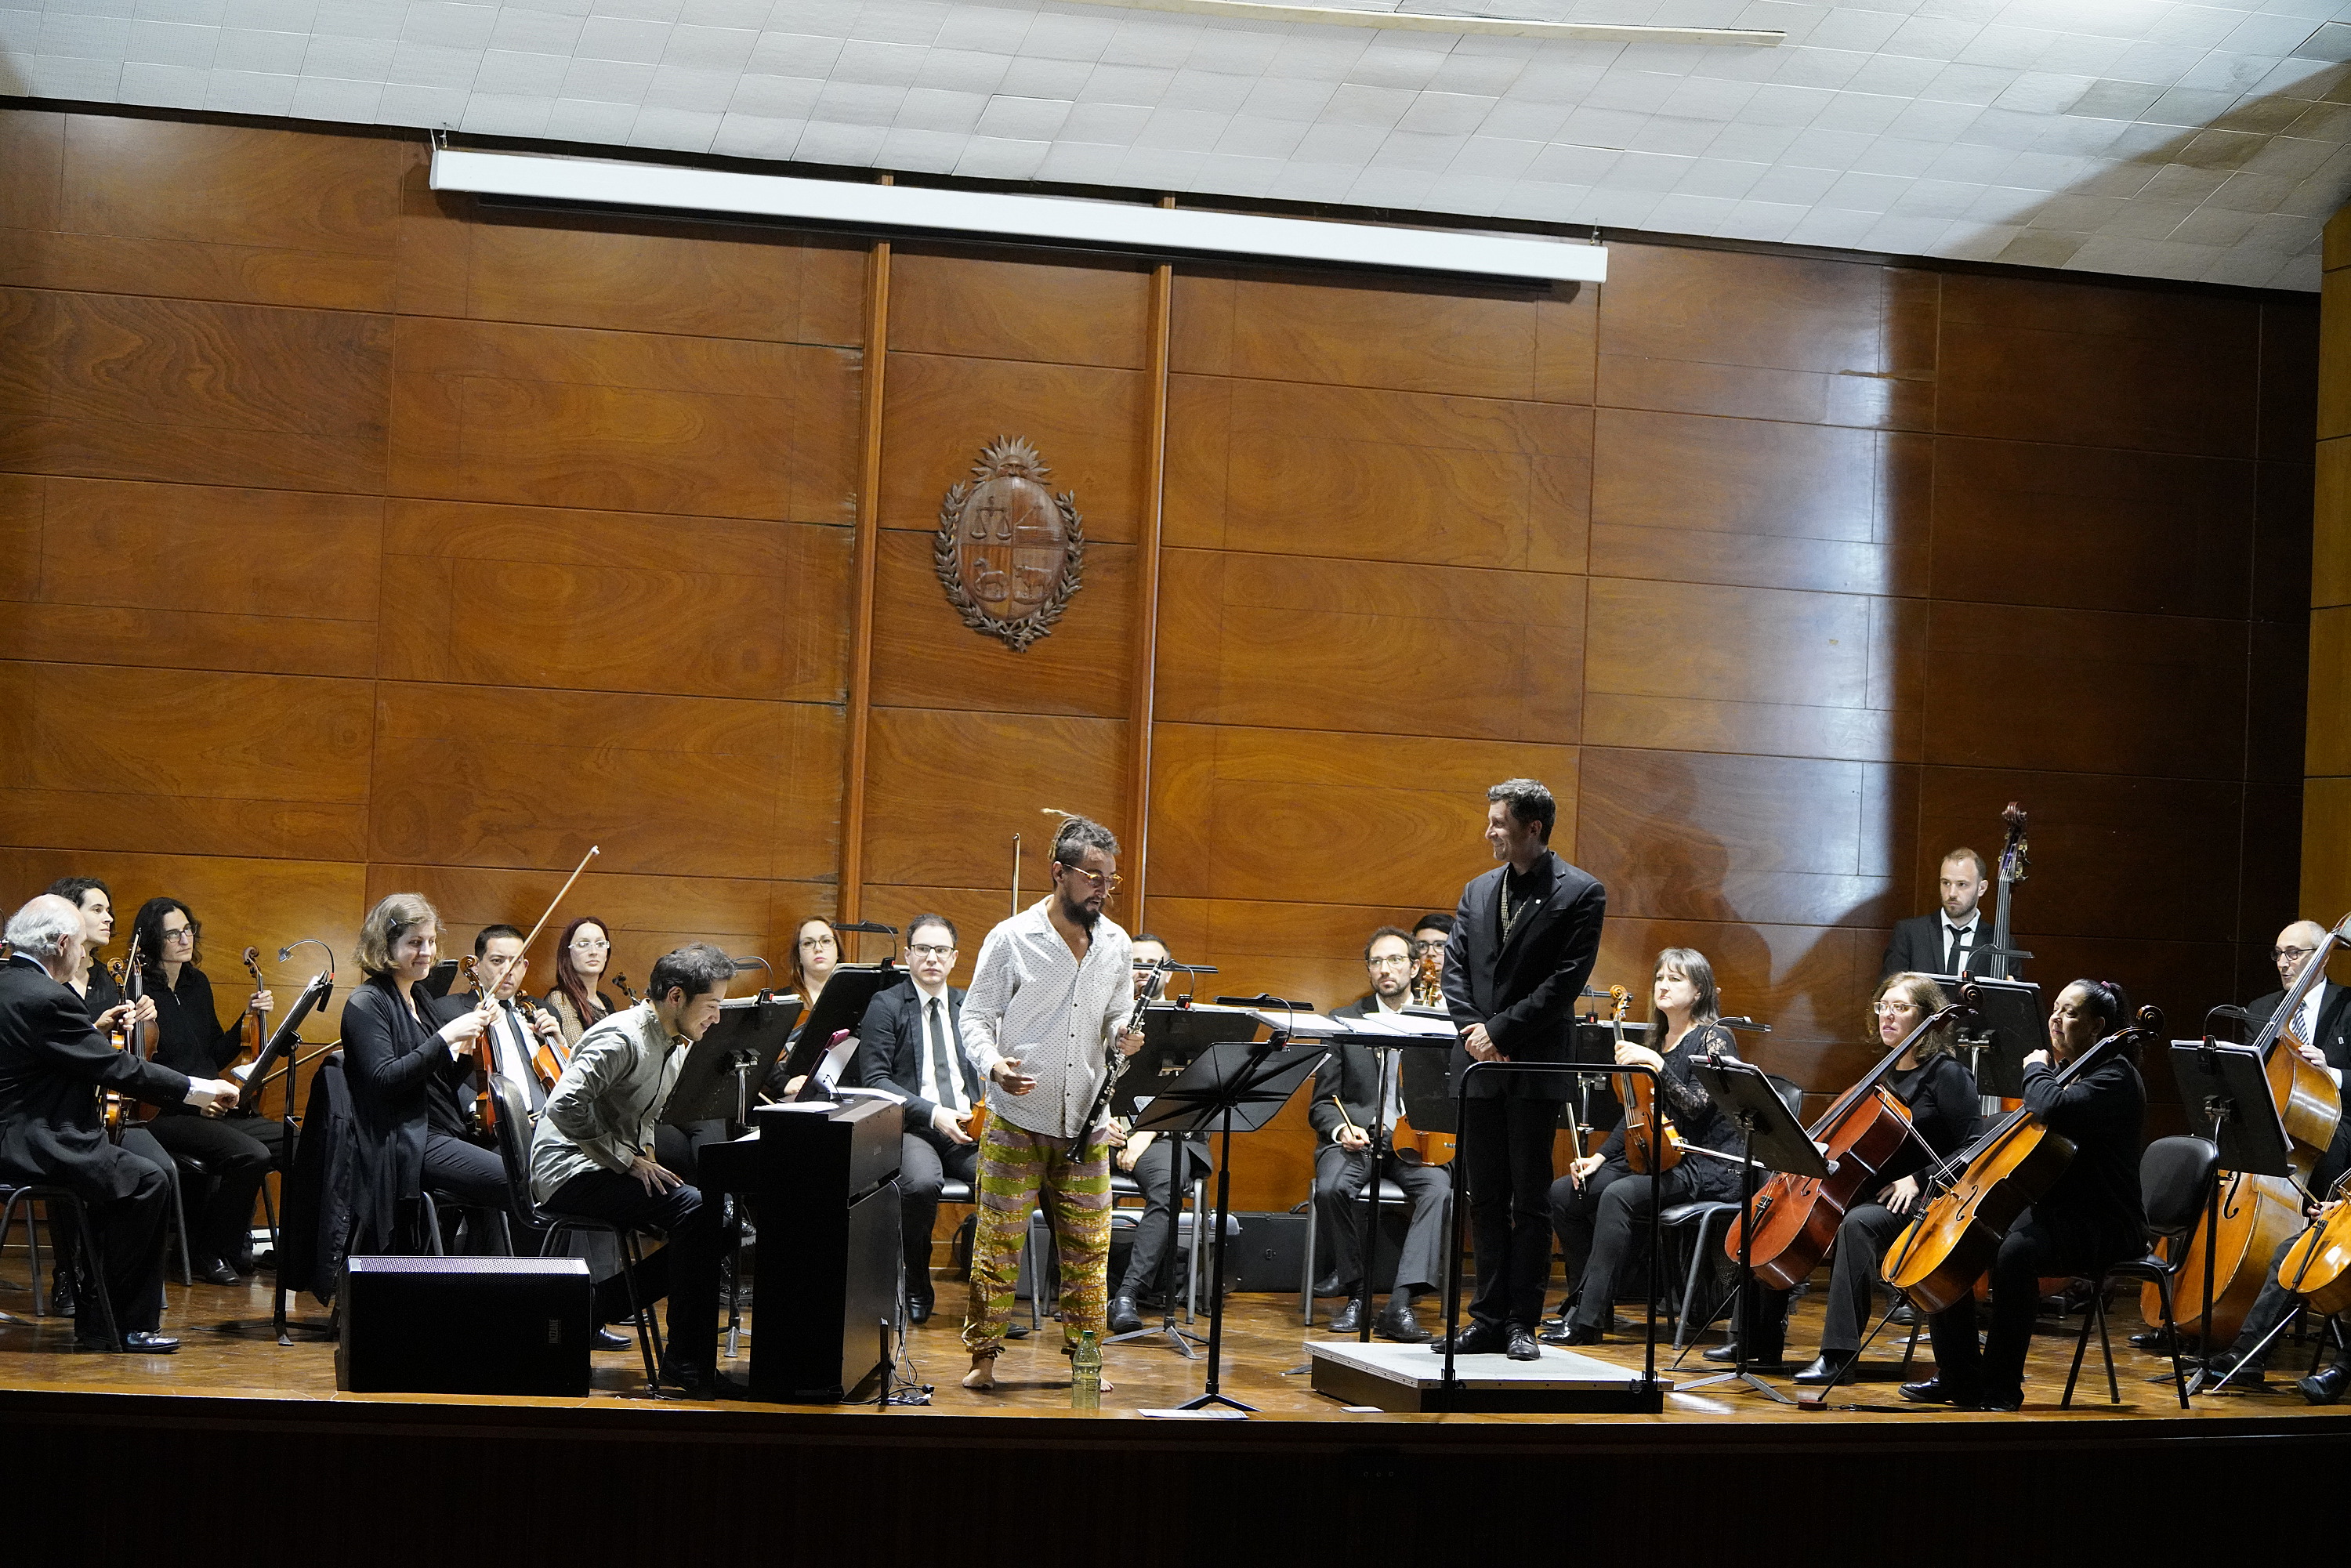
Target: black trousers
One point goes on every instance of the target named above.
(469, 1175)
(2035, 1245)
(1602, 1224)
(1506, 1159)
(1156, 1173)
(1867, 1231)
(926, 1158)
(685, 1270)
(236, 1152)
(2268, 1310)
(1340, 1178)
(130, 1233)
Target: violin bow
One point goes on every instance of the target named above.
(593, 850)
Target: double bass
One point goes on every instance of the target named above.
(2259, 1213)
(1941, 1253)
(1795, 1218)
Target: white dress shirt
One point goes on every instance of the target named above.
(1032, 1002)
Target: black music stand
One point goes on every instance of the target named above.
(1231, 1085)
(1174, 1036)
(1420, 1091)
(1741, 1090)
(2230, 1085)
(738, 1051)
(284, 1044)
(2015, 1026)
(839, 1006)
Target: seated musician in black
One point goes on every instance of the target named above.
(2322, 1033)
(1347, 1113)
(1943, 1102)
(593, 1153)
(409, 1130)
(910, 1044)
(2091, 1216)
(1150, 1158)
(53, 1065)
(236, 1150)
(1599, 1206)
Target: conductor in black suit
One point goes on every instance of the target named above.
(53, 1064)
(1523, 943)
(1955, 936)
(909, 1044)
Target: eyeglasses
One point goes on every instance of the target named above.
(1390, 961)
(1105, 882)
(1435, 946)
(930, 950)
(584, 944)
(1882, 1008)
(2279, 954)
(185, 933)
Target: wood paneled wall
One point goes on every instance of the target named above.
(2327, 784)
(354, 539)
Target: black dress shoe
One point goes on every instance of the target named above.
(1523, 1345)
(1935, 1391)
(1903, 1316)
(1332, 1285)
(918, 1307)
(2326, 1385)
(1396, 1323)
(62, 1300)
(2241, 1374)
(215, 1273)
(1348, 1319)
(1580, 1334)
(1124, 1317)
(2009, 1401)
(607, 1340)
(137, 1341)
(2154, 1341)
(1725, 1352)
(1016, 1330)
(1479, 1338)
(1827, 1367)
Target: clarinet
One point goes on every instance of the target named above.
(1115, 1066)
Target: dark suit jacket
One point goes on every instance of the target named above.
(1353, 1073)
(395, 1067)
(890, 1049)
(53, 1065)
(1525, 990)
(1919, 946)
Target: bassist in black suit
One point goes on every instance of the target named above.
(910, 1043)
(1957, 938)
(1525, 940)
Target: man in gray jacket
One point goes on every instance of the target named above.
(593, 1153)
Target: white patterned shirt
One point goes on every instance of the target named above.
(1034, 1004)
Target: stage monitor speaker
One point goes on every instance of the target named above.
(1265, 1254)
(465, 1325)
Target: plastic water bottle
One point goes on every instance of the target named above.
(1085, 1373)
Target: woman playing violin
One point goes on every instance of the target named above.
(1942, 1098)
(1598, 1206)
(238, 1149)
(582, 954)
(2091, 1217)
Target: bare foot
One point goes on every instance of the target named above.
(982, 1375)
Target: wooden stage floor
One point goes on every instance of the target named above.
(226, 1351)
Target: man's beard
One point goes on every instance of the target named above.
(1079, 915)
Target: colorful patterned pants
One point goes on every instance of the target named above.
(1021, 1171)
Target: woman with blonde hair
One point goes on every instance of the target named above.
(404, 1059)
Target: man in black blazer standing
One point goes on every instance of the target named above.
(1523, 943)
(909, 1043)
(1953, 940)
(53, 1065)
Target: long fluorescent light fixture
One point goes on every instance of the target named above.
(1430, 21)
(987, 215)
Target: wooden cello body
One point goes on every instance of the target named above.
(2258, 1213)
(2317, 1268)
(1796, 1218)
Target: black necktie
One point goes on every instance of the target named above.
(1952, 960)
(942, 1065)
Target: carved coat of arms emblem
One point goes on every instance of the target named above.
(1009, 552)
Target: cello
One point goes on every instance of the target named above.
(2317, 1267)
(1652, 1147)
(1941, 1253)
(2259, 1213)
(1795, 1218)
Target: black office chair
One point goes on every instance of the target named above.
(2175, 1184)
(547, 1227)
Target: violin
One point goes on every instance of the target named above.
(1795, 1218)
(548, 1060)
(2259, 1213)
(621, 984)
(1950, 1244)
(126, 973)
(1652, 1147)
(252, 1030)
(484, 1118)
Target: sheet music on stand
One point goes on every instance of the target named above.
(725, 1068)
(1174, 1036)
(839, 1006)
(2017, 1024)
